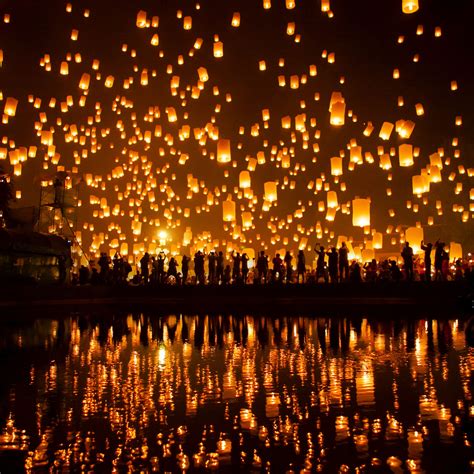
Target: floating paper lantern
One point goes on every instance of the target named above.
(338, 112)
(244, 179)
(405, 155)
(377, 240)
(223, 150)
(336, 166)
(228, 210)
(455, 251)
(85, 81)
(360, 212)
(218, 49)
(235, 20)
(386, 130)
(270, 191)
(10, 106)
(409, 6)
(332, 199)
(414, 235)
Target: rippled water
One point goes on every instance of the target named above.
(145, 392)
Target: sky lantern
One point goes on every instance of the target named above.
(338, 112)
(247, 219)
(409, 6)
(218, 49)
(270, 191)
(203, 75)
(85, 81)
(332, 199)
(235, 20)
(386, 130)
(223, 150)
(336, 166)
(360, 212)
(228, 210)
(377, 240)
(187, 22)
(10, 106)
(244, 179)
(64, 69)
(405, 154)
(414, 235)
(141, 19)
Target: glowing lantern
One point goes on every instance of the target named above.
(405, 155)
(455, 251)
(377, 240)
(360, 212)
(332, 199)
(270, 191)
(218, 49)
(247, 220)
(10, 107)
(223, 150)
(414, 235)
(141, 19)
(336, 166)
(64, 70)
(409, 6)
(386, 130)
(236, 20)
(203, 75)
(419, 109)
(84, 82)
(228, 210)
(244, 179)
(187, 22)
(338, 112)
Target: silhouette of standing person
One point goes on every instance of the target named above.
(236, 267)
(289, 268)
(220, 267)
(245, 267)
(199, 268)
(301, 267)
(427, 249)
(343, 262)
(144, 262)
(407, 255)
(185, 268)
(277, 272)
(212, 260)
(262, 267)
(320, 270)
(332, 264)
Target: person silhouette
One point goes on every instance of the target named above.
(427, 248)
(407, 255)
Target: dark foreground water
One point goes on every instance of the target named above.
(152, 393)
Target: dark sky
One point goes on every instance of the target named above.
(363, 36)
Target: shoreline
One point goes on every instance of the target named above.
(390, 297)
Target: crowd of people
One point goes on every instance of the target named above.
(333, 265)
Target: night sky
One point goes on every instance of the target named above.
(362, 35)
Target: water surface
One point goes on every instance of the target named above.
(146, 392)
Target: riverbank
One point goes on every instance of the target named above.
(385, 296)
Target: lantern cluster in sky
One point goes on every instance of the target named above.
(200, 127)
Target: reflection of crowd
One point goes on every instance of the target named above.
(333, 265)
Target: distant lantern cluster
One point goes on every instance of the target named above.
(162, 150)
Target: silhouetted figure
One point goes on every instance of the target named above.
(160, 268)
(277, 272)
(262, 267)
(236, 266)
(227, 275)
(199, 268)
(371, 271)
(355, 273)
(185, 268)
(320, 263)
(104, 265)
(144, 267)
(300, 267)
(220, 268)
(407, 255)
(333, 258)
(289, 269)
(212, 260)
(173, 268)
(343, 262)
(395, 273)
(83, 275)
(427, 249)
(95, 277)
(439, 256)
(245, 267)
